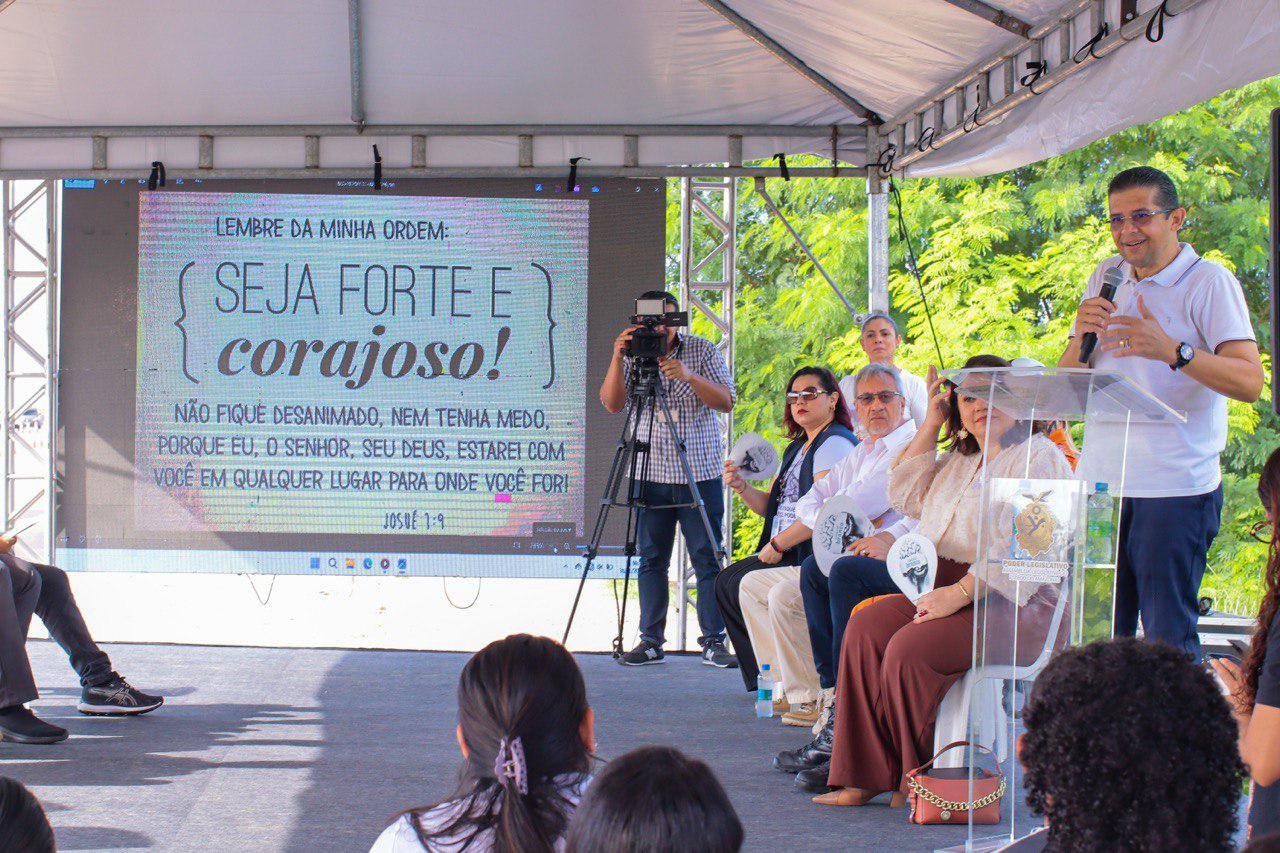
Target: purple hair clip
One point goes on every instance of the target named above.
(509, 764)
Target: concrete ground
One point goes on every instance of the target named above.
(315, 750)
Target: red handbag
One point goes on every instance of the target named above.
(936, 798)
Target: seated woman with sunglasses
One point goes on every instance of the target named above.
(817, 422)
(899, 659)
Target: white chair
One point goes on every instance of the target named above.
(982, 689)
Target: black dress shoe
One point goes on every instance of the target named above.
(21, 726)
(812, 754)
(814, 780)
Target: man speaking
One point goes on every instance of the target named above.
(1178, 327)
(697, 383)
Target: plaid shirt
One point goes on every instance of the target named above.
(696, 422)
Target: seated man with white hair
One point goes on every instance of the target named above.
(771, 601)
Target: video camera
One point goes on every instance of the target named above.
(646, 341)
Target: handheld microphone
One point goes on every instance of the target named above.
(1111, 279)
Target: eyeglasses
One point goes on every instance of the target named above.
(885, 397)
(1139, 218)
(808, 395)
(1257, 532)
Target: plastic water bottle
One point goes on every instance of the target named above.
(1099, 522)
(764, 692)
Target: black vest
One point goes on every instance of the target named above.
(795, 555)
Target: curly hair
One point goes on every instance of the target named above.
(1269, 495)
(1130, 747)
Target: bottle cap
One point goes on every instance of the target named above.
(1100, 487)
(764, 668)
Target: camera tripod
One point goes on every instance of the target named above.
(630, 467)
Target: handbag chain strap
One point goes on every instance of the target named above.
(955, 805)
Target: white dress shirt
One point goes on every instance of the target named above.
(864, 476)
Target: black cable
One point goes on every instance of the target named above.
(1155, 26)
(913, 267)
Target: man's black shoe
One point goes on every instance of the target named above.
(117, 698)
(19, 725)
(645, 653)
(715, 654)
(812, 754)
(814, 780)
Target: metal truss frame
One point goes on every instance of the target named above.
(1080, 34)
(94, 157)
(708, 287)
(29, 228)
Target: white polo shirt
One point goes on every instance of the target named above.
(1201, 303)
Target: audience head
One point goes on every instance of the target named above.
(800, 415)
(23, 825)
(1151, 195)
(1269, 495)
(1129, 746)
(880, 338)
(523, 722)
(878, 398)
(654, 800)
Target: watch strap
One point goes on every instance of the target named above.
(1181, 360)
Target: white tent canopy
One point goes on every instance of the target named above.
(485, 87)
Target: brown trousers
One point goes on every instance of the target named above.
(893, 676)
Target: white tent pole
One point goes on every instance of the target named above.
(877, 242)
(804, 247)
(763, 39)
(999, 17)
(357, 65)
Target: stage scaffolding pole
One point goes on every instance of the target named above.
(29, 228)
(708, 278)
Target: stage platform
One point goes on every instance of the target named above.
(311, 750)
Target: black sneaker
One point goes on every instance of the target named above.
(19, 725)
(814, 780)
(117, 698)
(715, 654)
(645, 653)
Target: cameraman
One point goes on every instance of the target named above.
(697, 383)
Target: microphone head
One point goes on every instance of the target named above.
(1111, 280)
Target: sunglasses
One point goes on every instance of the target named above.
(1139, 218)
(885, 397)
(808, 395)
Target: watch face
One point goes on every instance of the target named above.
(1185, 352)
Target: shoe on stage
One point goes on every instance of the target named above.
(812, 754)
(117, 698)
(805, 714)
(19, 725)
(643, 654)
(814, 780)
(715, 654)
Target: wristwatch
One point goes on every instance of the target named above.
(1186, 352)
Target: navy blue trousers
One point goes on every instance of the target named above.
(655, 537)
(1164, 545)
(829, 601)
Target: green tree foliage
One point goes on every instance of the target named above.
(1003, 261)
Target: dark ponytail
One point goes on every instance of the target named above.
(521, 705)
